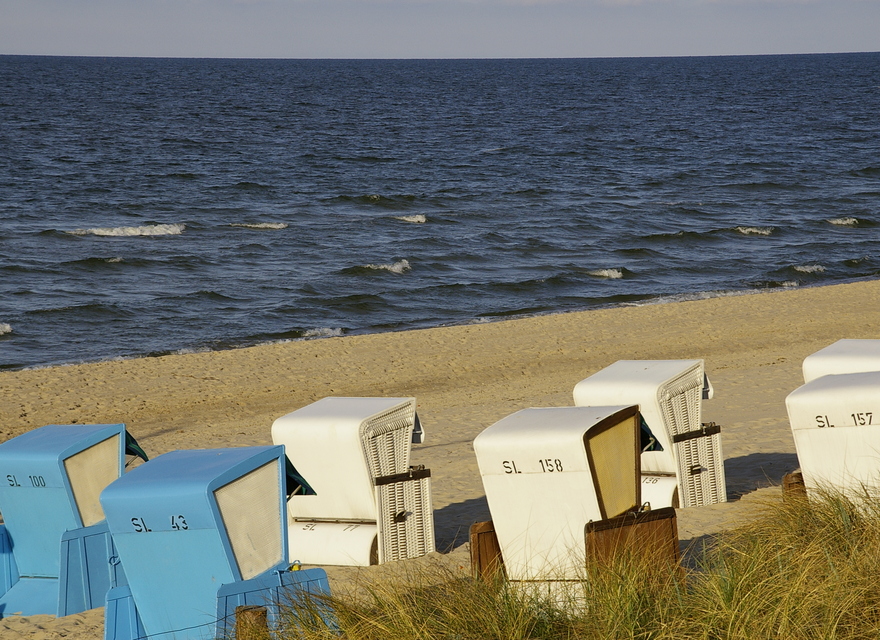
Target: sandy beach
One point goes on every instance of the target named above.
(464, 378)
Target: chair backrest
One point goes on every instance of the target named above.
(844, 356)
(835, 421)
(340, 445)
(669, 394)
(547, 473)
(188, 522)
(51, 481)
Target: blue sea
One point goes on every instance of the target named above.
(155, 206)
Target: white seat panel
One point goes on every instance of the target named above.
(333, 543)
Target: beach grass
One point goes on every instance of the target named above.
(801, 570)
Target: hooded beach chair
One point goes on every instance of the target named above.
(835, 421)
(549, 472)
(56, 554)
(683, 464)
(367, 505)
(844, 356)
(200, 533)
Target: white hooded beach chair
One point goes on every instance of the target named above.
(369, 506)
(549, 472)
(687, 469)
(835, 421)
(844, 356)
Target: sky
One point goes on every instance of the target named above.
(436, 28)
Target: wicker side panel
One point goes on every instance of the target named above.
(387, 439)
(406, 519)
(701, 469)
(681, 402)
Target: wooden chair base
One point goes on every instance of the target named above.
(649, 534)
(652, 534)
(486, 560)
(793, 487)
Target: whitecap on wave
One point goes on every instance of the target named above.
(416, 219)
(847, 221)
(5, 328)
(322, 332)
(689, 297)
(260, 225)
(190, 350)
(145, 230)
(810, 268)
(400, 266)
(612, 274)
(754, 231)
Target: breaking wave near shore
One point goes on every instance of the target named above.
(325, 332)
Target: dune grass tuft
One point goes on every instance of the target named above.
(803, 570)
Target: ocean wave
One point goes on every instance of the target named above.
(145, 230)
(810, 268)
(683, 203)
(5, 328)
(678, 235)
(754, 231)
(396, 201)
(867, 172)
(690, 297)
(94, 262)
(322, 332)
(250, 186)
(611, 274)
(847, 221)
(416, 219)
(260, 225)
(190, 350)
(401, 266)
(183, 175)
(775, 284)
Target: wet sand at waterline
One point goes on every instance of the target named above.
(464, 378)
